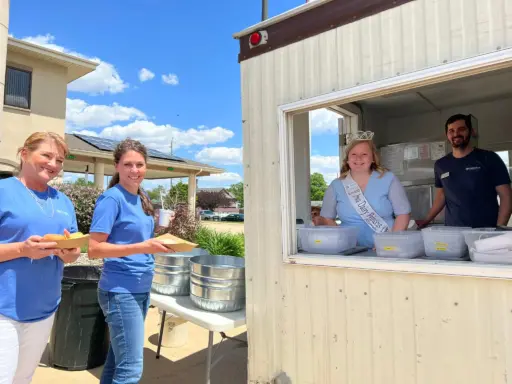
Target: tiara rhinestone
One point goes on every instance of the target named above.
(360, 135)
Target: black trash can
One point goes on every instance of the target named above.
(79, 339)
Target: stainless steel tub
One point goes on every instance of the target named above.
(172, 272)
(217, 283)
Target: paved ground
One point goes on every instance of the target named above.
(224, 226)
(176, 365)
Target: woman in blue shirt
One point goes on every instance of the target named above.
(121, 233)
(30, 268)
(365, 195)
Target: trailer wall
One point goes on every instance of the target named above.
(333, 325)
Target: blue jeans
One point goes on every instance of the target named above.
(125, 314)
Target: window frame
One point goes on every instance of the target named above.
(285, 113)
(29, 88)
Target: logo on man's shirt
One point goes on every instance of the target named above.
(473, 168)
(62, 212)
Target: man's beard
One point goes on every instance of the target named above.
(462, 144)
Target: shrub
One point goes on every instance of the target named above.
(220, 243)
(83, 198)
(183, 226)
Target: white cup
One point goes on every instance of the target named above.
(164, 217)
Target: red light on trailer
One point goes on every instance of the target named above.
(258, 38)
(255, 38)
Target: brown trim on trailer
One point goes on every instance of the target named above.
(330, 15)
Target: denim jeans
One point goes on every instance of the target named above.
(125, 314)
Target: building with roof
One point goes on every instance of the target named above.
(34, 93)
(33, 83)
(232, 205)
(33, 86)
(94, 155)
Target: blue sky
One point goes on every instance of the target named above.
(167, 69)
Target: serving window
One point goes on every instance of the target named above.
(406, 115)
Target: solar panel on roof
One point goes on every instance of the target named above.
(110, 145)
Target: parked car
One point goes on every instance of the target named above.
(206, 215)
(209, 215)
(233, 217)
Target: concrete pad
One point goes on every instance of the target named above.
(176, 365)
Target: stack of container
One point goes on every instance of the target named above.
(445, 243)
(327, 240)
(217, 283)
(172, 272)
(404, 244)
(489, 246)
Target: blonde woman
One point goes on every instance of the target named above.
(30, 268)
(365, 195)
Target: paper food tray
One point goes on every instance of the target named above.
(79, 242)
(176, 244)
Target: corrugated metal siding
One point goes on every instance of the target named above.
(328, 325)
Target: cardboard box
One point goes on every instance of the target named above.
(175, 243)
(78, 242)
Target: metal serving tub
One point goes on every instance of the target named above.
(217, 283)
(172, 272)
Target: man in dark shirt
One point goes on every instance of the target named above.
(468, 181)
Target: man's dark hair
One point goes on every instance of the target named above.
(457, 117)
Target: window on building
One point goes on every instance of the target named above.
(18, 84)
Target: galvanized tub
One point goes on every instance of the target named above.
(172, 272)
(217, 283)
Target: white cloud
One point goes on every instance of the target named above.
(80, 114)
(324, 121)
(170, 79)
(219, 180)
(159, 136)
(325, 162)
(328, 166)
(85, 132)
(220, 155)
(105, 79)
(145, 75)
(225, 179)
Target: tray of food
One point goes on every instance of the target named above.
(175, 243)
(73, 240)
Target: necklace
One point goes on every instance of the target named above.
(47, 201)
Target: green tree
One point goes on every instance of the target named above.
(154, 194)
(318, 186)
(237, 190)
(178, 194)
(81, 182)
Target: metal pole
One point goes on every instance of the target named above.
(160, 336)
(264, 9)
(209, 357)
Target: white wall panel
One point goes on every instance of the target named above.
(337, 326)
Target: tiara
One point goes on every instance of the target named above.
(359, 135)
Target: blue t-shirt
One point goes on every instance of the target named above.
(30, 290)
(469, 184)
(119, 214)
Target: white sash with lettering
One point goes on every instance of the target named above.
(362, 207)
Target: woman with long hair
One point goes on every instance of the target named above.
(30, 267)
(122, 234)
(366, 195)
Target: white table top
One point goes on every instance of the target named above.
(183, 307)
